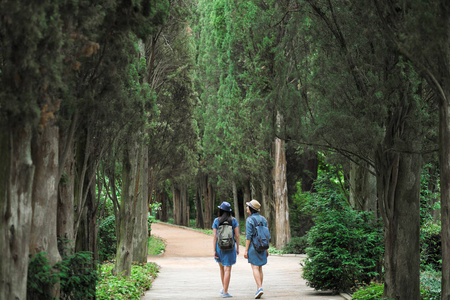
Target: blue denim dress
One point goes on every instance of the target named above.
(254, 257)
(226, 257)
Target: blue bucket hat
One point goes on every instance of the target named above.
(225, 206)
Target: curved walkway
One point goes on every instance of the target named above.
(188, 271)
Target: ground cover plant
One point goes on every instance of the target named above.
(156, 245)
(119, 287)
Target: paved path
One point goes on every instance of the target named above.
(188, 271)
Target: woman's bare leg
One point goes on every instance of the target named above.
(221, 273)
(226, 278)
(258, 275)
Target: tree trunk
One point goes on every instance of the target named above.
(363, 187)
(398, 164)
(235, 202)
(65, 219)
(127, 212)
(164, 207)
(199, 220)
(184, 205)
(45, 196)
(247, 194)
(16, 178)
(444, 153)
(282, 226)
(310, 164)
(399, 187)
(177, 209)
(141, 227)
(207, 201)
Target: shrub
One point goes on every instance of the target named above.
(430, 282)
(345, 247)
(78, 277)
(430, 246)
(107, 240)
(74, 273)
(41, 277)
(297, 245)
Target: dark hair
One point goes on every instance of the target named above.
(223, 215)
(252, 210)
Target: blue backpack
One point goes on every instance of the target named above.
(261, 236)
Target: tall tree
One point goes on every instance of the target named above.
(428, 48)
(29, 84)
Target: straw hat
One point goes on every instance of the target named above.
(254, 204)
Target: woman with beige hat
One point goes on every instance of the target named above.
(255, 259)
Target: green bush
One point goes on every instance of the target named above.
(430, 285)
(74, 273)
(121, 287)
(41, 277)
(78, 276)
(297, 245)
(345, 247)
(107, 240)
(430, 246)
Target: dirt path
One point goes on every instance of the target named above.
(188, 271)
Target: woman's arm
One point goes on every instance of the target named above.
(247, 245)
(215, 242)
(236, 239)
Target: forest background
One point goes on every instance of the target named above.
(109, 106)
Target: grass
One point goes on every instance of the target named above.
(156, 245)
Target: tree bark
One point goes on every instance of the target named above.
(282, 226)
(184, 205)
(247, 194)
(140, 239)
(207, 195)
(363, 187)
(176, 204)
(398, 165)
(65, 219)
(199, 219)
(235, 202)
(444, 153)
(45, 156)
(16, 178)
(127, 212)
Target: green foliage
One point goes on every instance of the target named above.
(373, 291)
(429, 193)
(156, 245)
(345, 247)
(77, 275)
(430, 246)
(41, 277)
(430, 285)
(297, 245)
(121, 287)
(430, 288)
(107, 239)
(74, 273)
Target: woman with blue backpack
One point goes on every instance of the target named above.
(258, 238)
(226, 244)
